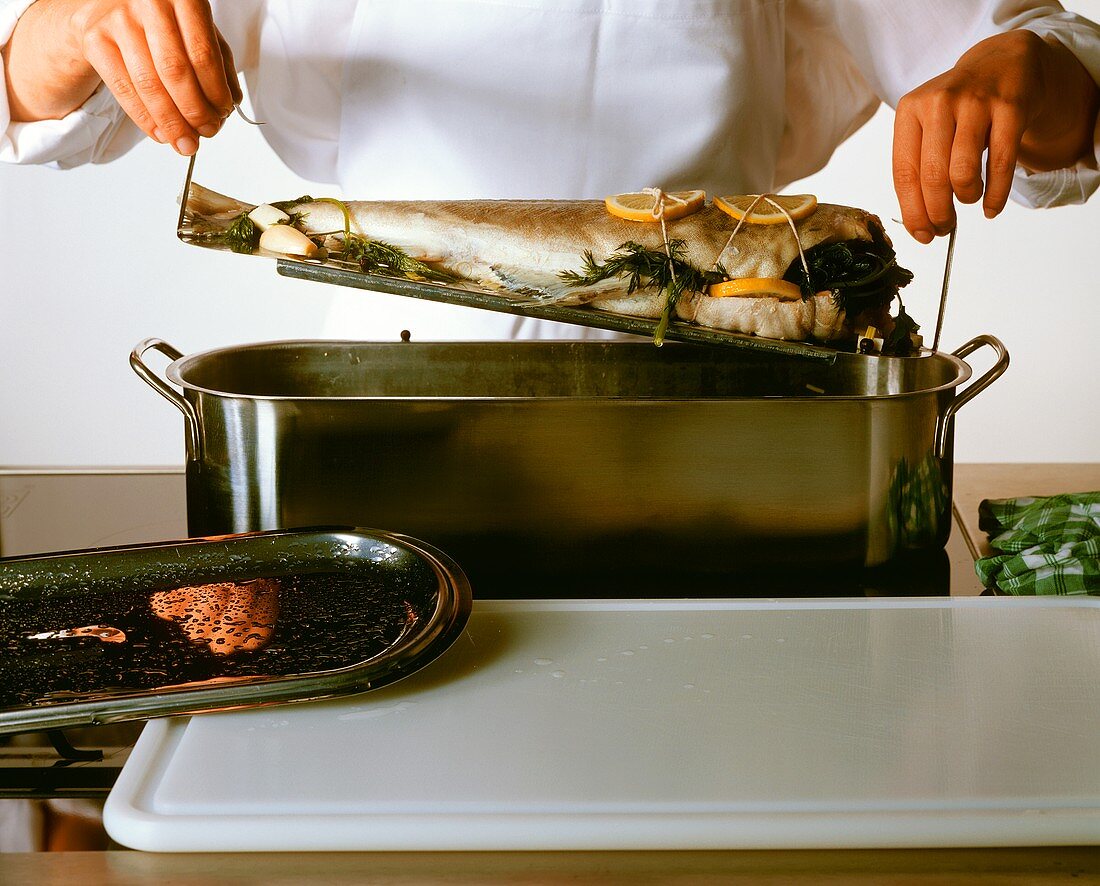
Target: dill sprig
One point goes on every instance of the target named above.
(377, 257)
(645, 268)
(242, 235)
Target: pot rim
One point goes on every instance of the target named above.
(175, 372)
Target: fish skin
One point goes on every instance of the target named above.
(552, 235)
(530, 243)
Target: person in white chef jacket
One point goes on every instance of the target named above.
(567, 98)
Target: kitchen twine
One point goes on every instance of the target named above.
(660, 198)
(767, 198)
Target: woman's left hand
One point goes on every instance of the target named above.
(1022, 98)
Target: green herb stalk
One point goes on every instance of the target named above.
(645, 268)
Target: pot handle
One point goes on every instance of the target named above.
(162, 387)
(969, 393)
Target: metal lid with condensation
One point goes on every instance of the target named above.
(183, 627)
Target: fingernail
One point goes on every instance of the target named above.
(208, 130)
(187, 146)
(923, 236)
(990, 212)
(159, 136)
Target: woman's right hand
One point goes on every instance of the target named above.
(164, 61)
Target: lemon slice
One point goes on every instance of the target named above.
(756, 287)
(798, 206)
(639, 206)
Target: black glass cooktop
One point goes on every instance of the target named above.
(59, 511)
(62, 511)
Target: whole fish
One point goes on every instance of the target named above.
(542, 247)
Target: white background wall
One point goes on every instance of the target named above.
(89, 265)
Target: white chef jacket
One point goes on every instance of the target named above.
(569, 98)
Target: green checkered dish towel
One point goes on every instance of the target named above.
(1044, 545)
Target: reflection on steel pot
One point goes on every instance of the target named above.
(570, 458)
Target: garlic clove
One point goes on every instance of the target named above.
(265, 216)
(287, 240)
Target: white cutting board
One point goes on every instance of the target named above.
(664, 724)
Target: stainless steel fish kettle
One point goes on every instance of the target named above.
(577, 458)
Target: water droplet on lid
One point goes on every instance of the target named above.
(627, 652)
(558, 674)
(689, 685)
(542, 662)
(746, 636)
(706, 636)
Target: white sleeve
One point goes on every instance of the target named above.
(1075, 184)
(899, 46)
(96, 132)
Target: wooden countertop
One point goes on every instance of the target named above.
(975, 482)
(992, 867)
(999, 867)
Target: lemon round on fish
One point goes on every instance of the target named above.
(642, 205)
(762, 212)
(756, 287)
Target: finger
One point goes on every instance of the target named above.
(176, 64)
(205, 49)
(153, 94)
(906, 169)
(935, 163)
(230, 67)
(971, 137)
(106, 58)
(1005, 132)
